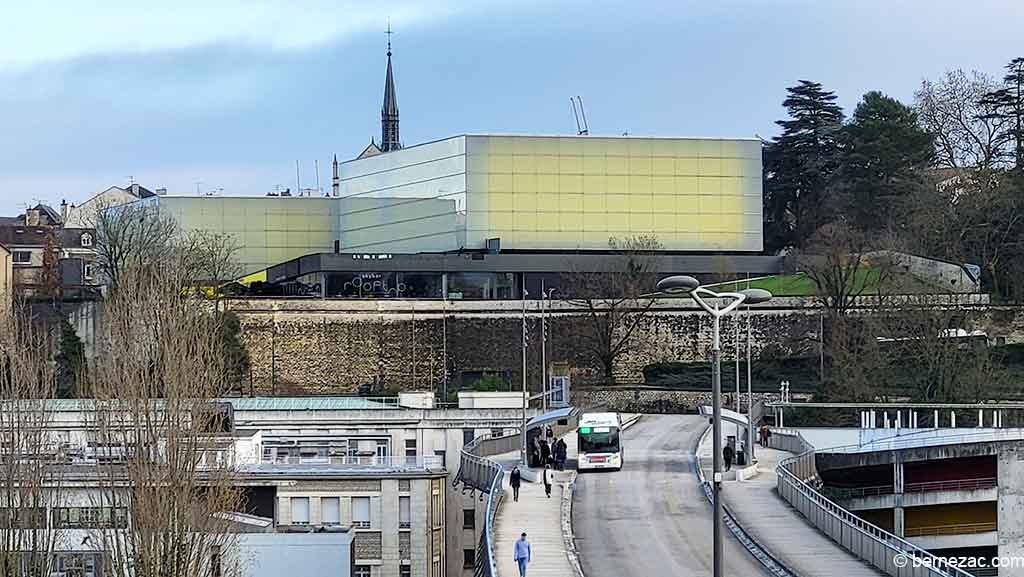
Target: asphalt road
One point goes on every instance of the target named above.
(651, 519)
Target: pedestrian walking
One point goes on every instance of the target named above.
(547, 481)
(767, 436)
(515, 480)
(727, 454)
(560, 454)
(523, 554)
(545, 453)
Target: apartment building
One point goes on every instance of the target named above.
(371, 475)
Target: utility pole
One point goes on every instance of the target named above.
(526, 397)
(543, 348)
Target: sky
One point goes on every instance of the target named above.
(225, 96)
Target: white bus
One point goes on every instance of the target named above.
(599, 445)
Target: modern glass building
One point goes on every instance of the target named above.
(267, 229)
(554, 193)
(505, 193)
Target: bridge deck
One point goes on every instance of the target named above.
(781, 529)
(538, 516)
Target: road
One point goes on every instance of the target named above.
(651, 519)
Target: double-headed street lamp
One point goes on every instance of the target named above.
(680, 284)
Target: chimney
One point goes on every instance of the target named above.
(32, 217)
(63, 210)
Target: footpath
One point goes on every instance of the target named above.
(778, 528)
(547, 522)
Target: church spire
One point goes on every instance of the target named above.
(389, 139)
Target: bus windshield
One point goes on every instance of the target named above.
(599, 440)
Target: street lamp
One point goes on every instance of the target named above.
(679, 285)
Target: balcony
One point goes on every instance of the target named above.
(953, 536)
(298, 465)
(922, 487)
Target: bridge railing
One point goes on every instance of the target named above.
(487, 476)
(798, 484)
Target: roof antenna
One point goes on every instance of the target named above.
(581, 128)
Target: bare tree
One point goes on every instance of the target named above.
(139, 234)
(212, 256)
(967, 135)
(934, 352)
(612, 299)
(30, 479)
(170, 470)
(837, 261)
(129, 236)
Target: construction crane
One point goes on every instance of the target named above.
(582, 129)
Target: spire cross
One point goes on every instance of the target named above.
(389, 36)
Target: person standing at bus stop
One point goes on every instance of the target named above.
(547, 480)
(523, 554)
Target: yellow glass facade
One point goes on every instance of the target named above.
(268, 230)
(539, 192)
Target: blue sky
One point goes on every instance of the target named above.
(228, 94)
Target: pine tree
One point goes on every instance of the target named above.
(71, 362)
(884, 151)
(799, 166)
(1007, 105)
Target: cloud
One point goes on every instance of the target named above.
(46, 32)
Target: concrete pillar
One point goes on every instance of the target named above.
(897, 519)
(935, 419)
(981, 418)
(952, 419)
(897, 482)
(899, 419)
(995, 419)
(885, 421)
(914, 425)
(874, 418)
(1009, 472)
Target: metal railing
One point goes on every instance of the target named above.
(486, 475)
(957, 529)
(390, 461)
(798, 484)
(920, 487)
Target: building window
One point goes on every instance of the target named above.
(469, 519)
(78, 564)
(361, 512)
(300, 510)
(21, 256)
(86, 239)
(89, 517)
(215, 565)
(404, 520)
(410, 451)
(89, 271)
(440, 453)
(330, 511)
(404, 571)
(467, 436)
(468, 558)
(361, 571)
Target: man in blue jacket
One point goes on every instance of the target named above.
(522, 554)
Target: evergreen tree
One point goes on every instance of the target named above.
(799, 166)
(70, 360)
(884, 151)
(236, 356)
(1007, 105)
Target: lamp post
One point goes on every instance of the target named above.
(688, 285)
(545, 296)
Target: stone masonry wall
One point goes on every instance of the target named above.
(314, 346)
